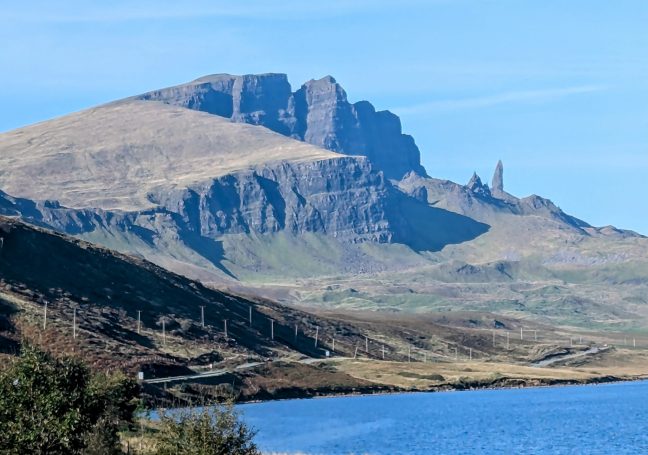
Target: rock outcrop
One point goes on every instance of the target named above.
(497, 186)
(476, 186)
(477, 201)
(318, 113)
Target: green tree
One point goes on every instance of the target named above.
(55, 406)
(213, 430)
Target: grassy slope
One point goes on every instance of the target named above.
(522, 266)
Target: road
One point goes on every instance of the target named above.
(559, 358)
(222, 371)
(206, 374)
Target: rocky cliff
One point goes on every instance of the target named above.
(318, 113)
(205, 176)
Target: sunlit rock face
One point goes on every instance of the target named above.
(318, 113)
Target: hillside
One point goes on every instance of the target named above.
(70, 297)
(113, 157)
(92, 297)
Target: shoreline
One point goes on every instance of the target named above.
(447, 388)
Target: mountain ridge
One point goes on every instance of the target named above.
(317, 113)
(241, 206)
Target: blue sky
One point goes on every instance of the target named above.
(556, 89)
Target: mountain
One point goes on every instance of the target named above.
(144, 184)
(318, 113)
(307, 198)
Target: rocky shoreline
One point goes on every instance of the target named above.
(497, 384)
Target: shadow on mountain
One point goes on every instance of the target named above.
(210, 249)
(426, 228)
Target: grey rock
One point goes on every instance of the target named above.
(476, 201)
(344, 198)
(476, 186)
(318, 113)
(497, 186)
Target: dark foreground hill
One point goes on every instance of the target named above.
(119, 312)
(71, 297)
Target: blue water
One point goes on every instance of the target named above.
(597, 419)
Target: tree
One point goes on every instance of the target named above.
(55, 406)
(213, 430)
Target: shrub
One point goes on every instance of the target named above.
(56, 406)
(214, 430)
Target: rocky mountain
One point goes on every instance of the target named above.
(302, 196)
(175, 188)
(318, 113)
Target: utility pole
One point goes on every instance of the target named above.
(316, 335)
(296, 332)
(521, 334)
(507, 340)
(535, 335)
(250, 316)
(45, 317)
(367, 344)
(272, 329)
(333, 348)
(470, 353)
(355, 354)
(139, 322)
(164, 331)
(225, 327)
(493, 338)
(202, 316)
(456, 354)
(383, 351)
(409, 354)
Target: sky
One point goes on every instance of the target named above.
(558, 90)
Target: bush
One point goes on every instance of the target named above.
(56, 406)
(214, 430)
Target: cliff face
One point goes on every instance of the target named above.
(318, 113)
(342, 197)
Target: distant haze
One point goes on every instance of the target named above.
(556, 90)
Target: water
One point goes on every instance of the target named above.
(596, 419)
